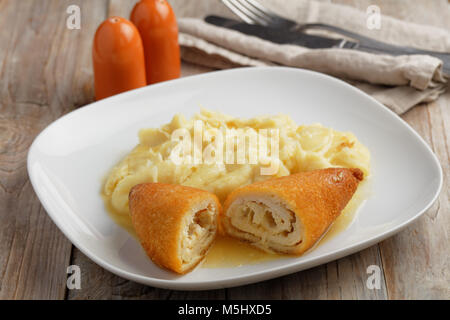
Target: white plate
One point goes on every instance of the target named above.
(69, 159)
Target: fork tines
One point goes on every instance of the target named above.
(250, 11)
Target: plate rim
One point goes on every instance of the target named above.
(238, 280)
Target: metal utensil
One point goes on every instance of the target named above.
(279, 35)
(252, 12)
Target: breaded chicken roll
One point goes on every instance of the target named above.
(176, 225)
(289, 214)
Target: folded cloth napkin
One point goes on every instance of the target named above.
(398, 82)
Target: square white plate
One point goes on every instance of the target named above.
(69, 159)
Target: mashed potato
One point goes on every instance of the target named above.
(299, 148)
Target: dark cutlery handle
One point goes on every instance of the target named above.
(371, 45)
(398, 50)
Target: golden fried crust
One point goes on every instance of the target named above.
(316, 197)
(157, 211)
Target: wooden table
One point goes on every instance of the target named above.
(45, 72)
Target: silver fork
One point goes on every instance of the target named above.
(252, 12)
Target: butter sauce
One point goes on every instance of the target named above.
(227, 252)
(349, 213)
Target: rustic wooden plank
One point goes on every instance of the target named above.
(42, 76)
(342, 279)
(97, 283)
(417, 260)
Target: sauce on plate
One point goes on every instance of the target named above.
(227, 252)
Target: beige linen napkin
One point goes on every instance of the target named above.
(399, 82)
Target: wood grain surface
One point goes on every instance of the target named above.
(45, 72)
